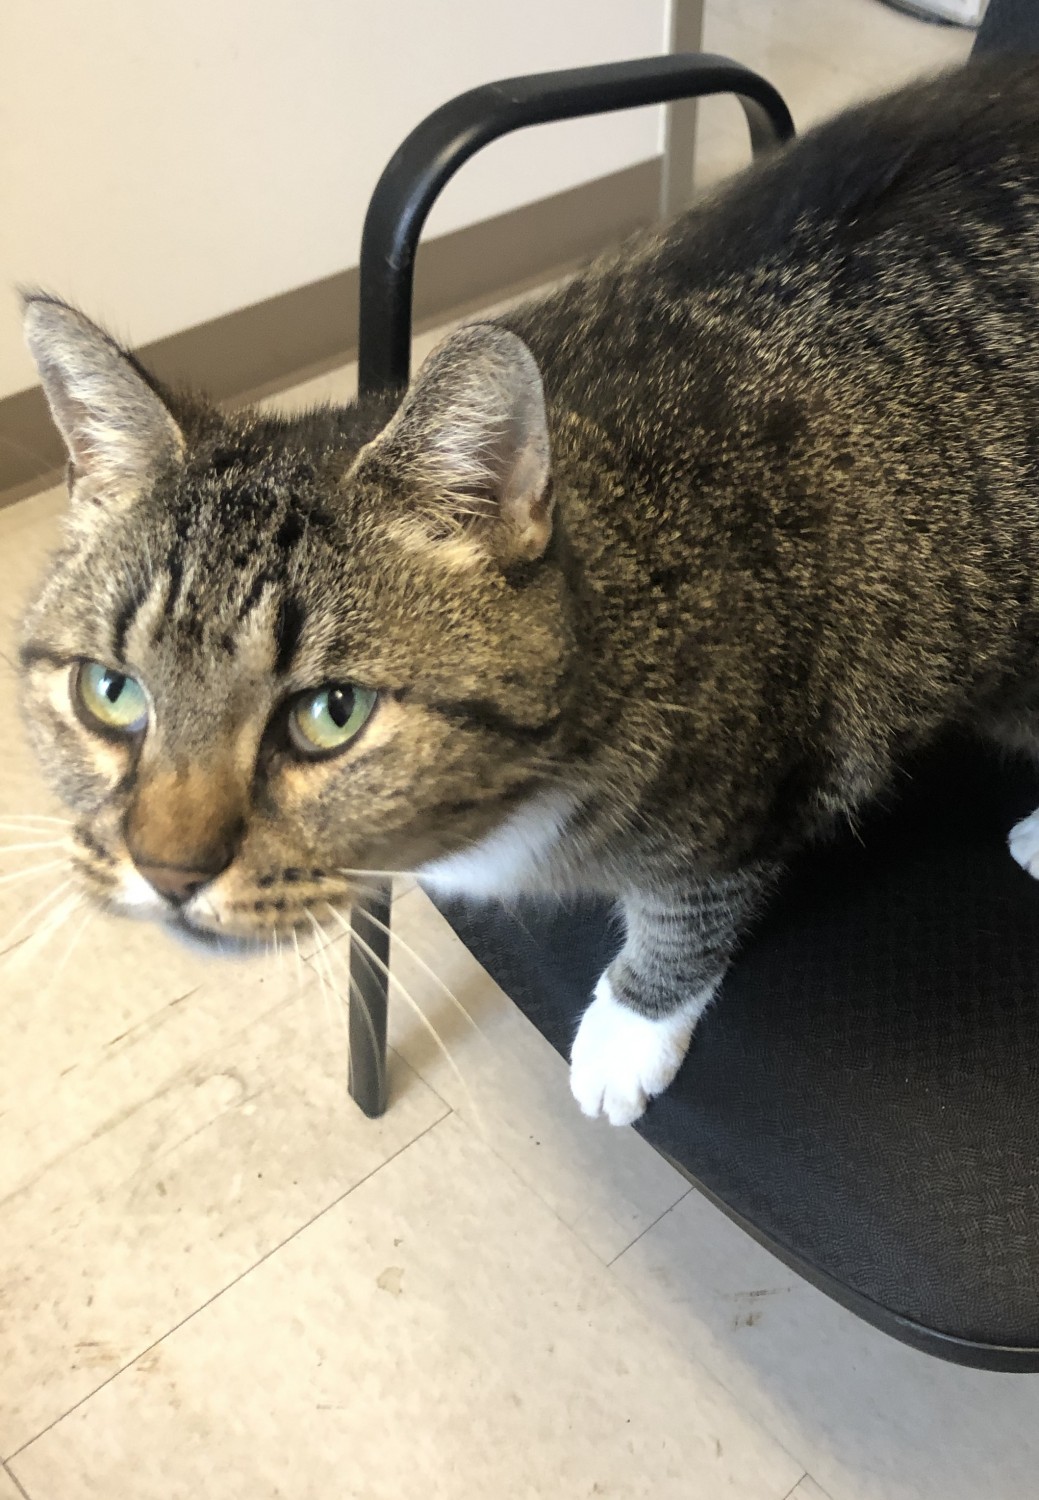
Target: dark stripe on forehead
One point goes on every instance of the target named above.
(175, 569)
(128, 611)
(260, 583)
(288, 628)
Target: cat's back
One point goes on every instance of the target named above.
(875, 204)
(954, 146)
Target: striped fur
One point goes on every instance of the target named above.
(657, 578)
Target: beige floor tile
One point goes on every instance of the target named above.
(808, 1490)
(437, 1334)
(859, 39)
(872, 1419)
(108, 1034)
(205, 1159)
(497, 1070)
(821, 55)
(89, 1040)
(8, 1488)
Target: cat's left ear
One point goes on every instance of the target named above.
(470, 440)
(117, 430)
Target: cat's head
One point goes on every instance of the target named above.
(274, 652)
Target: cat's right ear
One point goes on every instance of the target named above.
(470, 442)
(118, 431)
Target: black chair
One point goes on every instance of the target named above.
(863, 1099)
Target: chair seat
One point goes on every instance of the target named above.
(863, 1097)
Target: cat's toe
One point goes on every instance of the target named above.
(1024, 843)
(620, 1060)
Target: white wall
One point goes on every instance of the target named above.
(162, 163)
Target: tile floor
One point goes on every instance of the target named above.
(218, 1279)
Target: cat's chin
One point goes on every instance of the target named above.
(207, 941)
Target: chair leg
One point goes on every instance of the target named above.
(369, 990)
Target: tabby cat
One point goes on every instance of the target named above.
(636, 590)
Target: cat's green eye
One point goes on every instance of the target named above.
(108, 700)
(323, 722)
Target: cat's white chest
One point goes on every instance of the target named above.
(512, 859)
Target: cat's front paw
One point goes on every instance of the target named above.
(1024, 843)
(620, 1059)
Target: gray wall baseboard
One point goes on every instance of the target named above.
(273, 344)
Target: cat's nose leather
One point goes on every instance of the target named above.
(179, 848)
(174, 882)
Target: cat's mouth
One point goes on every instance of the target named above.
(209, 941)
(234, 912)
(257, 918)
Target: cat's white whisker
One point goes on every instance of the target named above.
(49, 928)
(326, 998)
(27, 951)
(322, 969)
(78, 932)
(373, 874)
(424, 966)
(6, 947)
(33, 848)
(327, 983)
(357, 998)
(30, 824)
(356, 993)
(348, 900)
(276, 945)
(28, 817)
(31, 871)
(344, 1018)
(372, 958)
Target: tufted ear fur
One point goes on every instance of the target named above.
(117, 430)
(471, 440)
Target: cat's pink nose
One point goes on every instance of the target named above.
(175, 883)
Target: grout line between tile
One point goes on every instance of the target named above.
(220, 1293)
(663, 1215)
(529, 1184)
(403, 1062)
(705, 1362)
(14, 1480)
(126, 1114)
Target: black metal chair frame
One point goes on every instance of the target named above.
(413, 178)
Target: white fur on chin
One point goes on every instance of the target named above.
(621, 1060)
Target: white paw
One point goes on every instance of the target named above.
(1024, 843)
(620, 1059)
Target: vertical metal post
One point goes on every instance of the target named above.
(680, 118)
(369, 993)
